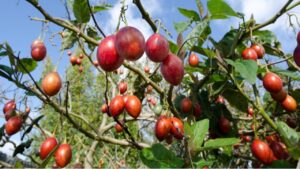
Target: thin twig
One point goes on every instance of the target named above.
(94, 19)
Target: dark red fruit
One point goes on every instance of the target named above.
(279, 150)
(205, 167)
(13, 125)
(73, 60)
(130, 43)
(149, 89)
(246, 138)
(69, 53)
(291, 122)
(80, 69)
(81, 56)
(104, 108)
(118, 127)
(298, 37)
(224, 125)
(146, 69)
(177, 128)
(162, 127)
(186, 105)
(250, 111)
(47, 147)
(116, 106)
(193, 60)
(249, 54)
(169, 139)
(95, 63)
(51, 84)
(63, 155)
(289, 104)
(272, 137)
(38, 50)
(272, 82)
(27, 110)
(133, 106)
(122, 87)
(78, 61)
(157, 48)
(262, 151)
(197, 110)
(279, 96)
(108, 58)
(9, 109)
(296, 55)
(220, 100)
(259, 49)
(172, 69)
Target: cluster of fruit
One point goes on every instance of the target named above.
(51, 83)
(77, 60)
(14, 120)
(254, 52)
(187, 107)
(129, 44)
(169, 127)
(62, 154)
(269, 152)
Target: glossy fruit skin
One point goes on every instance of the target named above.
(193, 60)
(133, 106)
(118, 128)
(107, 56)
(116, 106)
(220, 100)
(13, 125)
(38, 50)
(78, 61)
(249, 54)
(279, 96)
(262, 151)
(272, 138)
(47, 146)
(197, 110)
(27, 110)
(250, 111)
(169, 139)
(259, 49)
(104, 108)
(172, 69)
(246, 138)
(80, 69)
(279, 150)
(122, 87)
(224, 125)
(186, 105)
(51, 83)
(177, 128)
(289, 104)
(130, 43)
(95, 63)
(162, 127)
(63, 155)
(157, 48)
(298, 37)
(9, 109)
(73, 60)
(296, 55)
(272, 82)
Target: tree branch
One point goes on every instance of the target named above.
(145, 14)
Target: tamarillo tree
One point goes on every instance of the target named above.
(127, 101)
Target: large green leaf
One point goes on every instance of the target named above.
(159, 157)
(81, 11)
(220, 142)
(21, 148)
(219, 9)
(289, 135)
(235, 98)
(181, 26)
(10, 53)
(196, 133)
(199, 33)
(173, 47)
(246, 68)
(293, 75)
(203, 163)
(28, 63)
(68, 40)
(265, 36)
(7, 69)
(191, 14)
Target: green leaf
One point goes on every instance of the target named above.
(92, 32)
(197, 133)
(225, 44)
(246, 68)
(220, 142)
(10, 53)
(159, 157)
(68, 40)
(293, 75)
(34, 122)
(191, 14)
(18, 164)
(28, 63)
(220, 9)
(181, 26)
(21, 148)
(203, 163)
(280, 164)
(265, 36)
(81, 11)
(289, 135)
(3, 53)
(173, 47)
(7, 69)
(99, 8)
(199, 33)
(294, 152)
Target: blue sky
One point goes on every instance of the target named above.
(17, 28)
